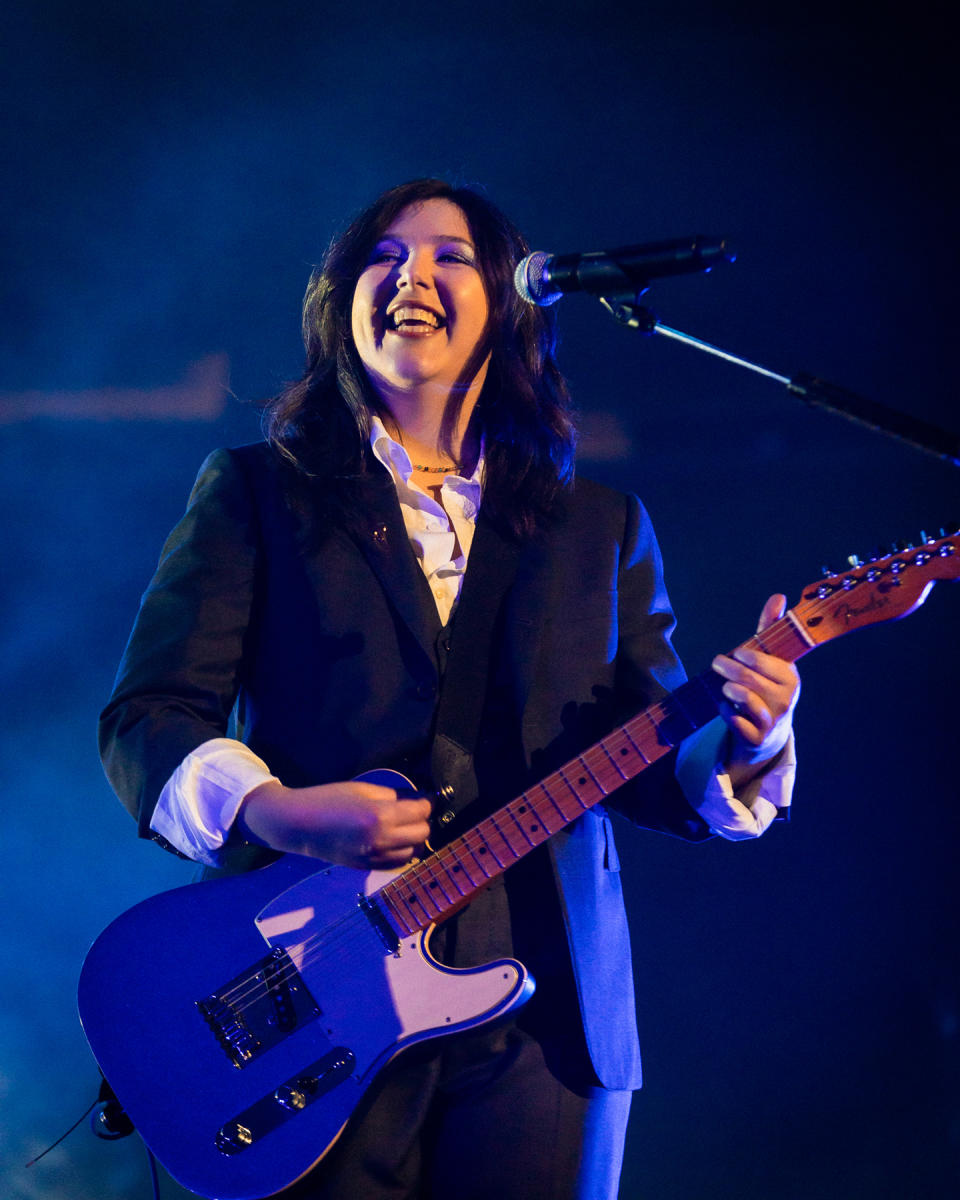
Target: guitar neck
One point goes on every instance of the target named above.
(436, 887)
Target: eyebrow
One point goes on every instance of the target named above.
(395, 237)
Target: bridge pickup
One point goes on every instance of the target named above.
(290, 1098)
(259, 1008)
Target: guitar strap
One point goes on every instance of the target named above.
(465, 650)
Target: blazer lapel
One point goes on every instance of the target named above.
(377, 528)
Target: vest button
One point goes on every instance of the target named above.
(447, 817)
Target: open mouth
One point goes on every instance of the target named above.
(409, 318)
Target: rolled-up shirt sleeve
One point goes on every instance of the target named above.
(199, 804)
(707, 787)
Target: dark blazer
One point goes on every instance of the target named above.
(329, 652)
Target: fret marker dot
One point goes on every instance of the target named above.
(581, 782)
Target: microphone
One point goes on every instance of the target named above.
(542, 278)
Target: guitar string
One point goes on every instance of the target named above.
(438, 867)
(780, 635)
(311, 950)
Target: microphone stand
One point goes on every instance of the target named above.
(814, 391)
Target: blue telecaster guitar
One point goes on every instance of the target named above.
(240, 1021)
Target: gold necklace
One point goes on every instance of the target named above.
(437, 470)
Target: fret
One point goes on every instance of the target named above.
(428, 886)
(511, 813)
(604, 770)
(451, 872)
(478, 857)
(794, 642)
(613, 761)
(645, 730)
(540, 798)
(392, 891)
(437, 878)
(488, 842)
(460, 863)
(416, 901)
(635, 745)
(515, 854)
(537, 826)
(586, 766)
(553, 800)
(584, 778)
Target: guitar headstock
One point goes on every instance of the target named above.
(880, 590)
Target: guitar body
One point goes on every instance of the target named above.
(241, 1021)
(303, 1003)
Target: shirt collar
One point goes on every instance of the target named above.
(390, 454)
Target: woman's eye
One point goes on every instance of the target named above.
(454, 256)
(385, 256)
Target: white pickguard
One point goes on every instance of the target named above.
(373, 1001)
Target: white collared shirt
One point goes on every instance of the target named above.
(441, 534)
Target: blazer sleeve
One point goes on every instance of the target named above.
(180, 674)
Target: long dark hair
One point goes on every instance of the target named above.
(320, 424)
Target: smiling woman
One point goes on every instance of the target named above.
(419, 322)
(406, 575)
(322, 422)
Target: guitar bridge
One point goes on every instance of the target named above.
(258, 1009)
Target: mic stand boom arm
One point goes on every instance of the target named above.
(818, 392)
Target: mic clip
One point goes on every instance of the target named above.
(632, 313)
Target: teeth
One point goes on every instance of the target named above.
(411, 313)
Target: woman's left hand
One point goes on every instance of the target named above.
(760, 693)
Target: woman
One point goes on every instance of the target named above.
(320, 583)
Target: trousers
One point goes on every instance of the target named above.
(482, 1119)
(510, 1111)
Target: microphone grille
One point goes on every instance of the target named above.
(529, 280)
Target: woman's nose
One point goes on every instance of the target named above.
(414, 271)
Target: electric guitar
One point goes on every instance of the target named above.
(240, 1021)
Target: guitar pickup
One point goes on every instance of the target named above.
(259, 1008)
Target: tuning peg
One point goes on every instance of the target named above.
(826, 572)
(854, 560)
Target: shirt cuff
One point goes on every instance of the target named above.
(200, 801)
(708, 789)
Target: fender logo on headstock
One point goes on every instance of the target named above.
(848, 612)
(879, 590)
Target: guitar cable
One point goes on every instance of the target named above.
(110, 1122)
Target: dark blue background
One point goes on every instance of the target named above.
(171, 173)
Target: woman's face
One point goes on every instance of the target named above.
(420, 307)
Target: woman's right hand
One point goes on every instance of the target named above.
(354, 823)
